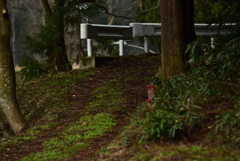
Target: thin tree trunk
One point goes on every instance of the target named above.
(57, 51)
(61, 59)
(177, 31)
(48, 14)
(47, 11)
(8, 102)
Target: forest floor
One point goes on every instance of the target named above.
(60, 111)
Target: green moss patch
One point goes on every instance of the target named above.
(75, 137)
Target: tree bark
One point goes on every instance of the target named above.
(47, 11)
(8, 102)
(57, 51)
(60, 55)
(177, 31)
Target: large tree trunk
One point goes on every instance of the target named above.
(177, 31)
(8, 102)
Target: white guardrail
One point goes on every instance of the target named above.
(95, 31)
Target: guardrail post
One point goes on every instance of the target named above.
(89, 47)
(146, 49)
(121, 44)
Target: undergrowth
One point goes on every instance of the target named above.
(182, 103)
(204, 102)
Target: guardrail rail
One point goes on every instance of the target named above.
(145, 30)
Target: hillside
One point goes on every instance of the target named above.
(95, 114)
(61, 99)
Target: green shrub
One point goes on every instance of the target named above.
(162, 123)
(181, 102)
(174, 108)
(219, 64)
(32, 68)
(229, 123)
(39, 45)
(220, 67)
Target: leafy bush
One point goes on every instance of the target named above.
(215, 64)
(174, 108)
(39, 42)
(162, 123)
(32, 68)
(181, 102)
(39, 45)
(229, 123)
(221, 68)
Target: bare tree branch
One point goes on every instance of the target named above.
(105, 10)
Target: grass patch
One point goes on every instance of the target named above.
(50, 95)
(131, 137)
(108, 98)
(29, 134)
(75, 137)
(163, 151)
(197, 153)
